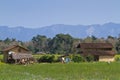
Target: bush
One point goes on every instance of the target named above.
(46, 58)
(77, 58)
(57, 59)
(89, 58)
(117, 57)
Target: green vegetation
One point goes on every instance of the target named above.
(117, 45)
(60, 44)
(1, 57)
(59, 71)
(117, 57)
(77, 58)
(47, 58)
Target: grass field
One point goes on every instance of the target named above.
(59, 71)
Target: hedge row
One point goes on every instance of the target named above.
(74, 58)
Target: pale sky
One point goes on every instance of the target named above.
(39, 13)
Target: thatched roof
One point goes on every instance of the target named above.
(21, 55)
(94, 45)
(14, 46)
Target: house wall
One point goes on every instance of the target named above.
(106, 58)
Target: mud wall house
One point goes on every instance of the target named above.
(16, 53)
(100, 51)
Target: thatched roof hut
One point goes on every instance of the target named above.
(16, 52)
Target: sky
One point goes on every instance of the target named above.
(40, 13)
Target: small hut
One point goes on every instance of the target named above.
(100, 51)
(17, 54)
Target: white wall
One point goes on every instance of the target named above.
(106, 58)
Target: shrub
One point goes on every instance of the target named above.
(77, 58)
(117, 57)
(46, 58)
(89, 58)
(57, 59)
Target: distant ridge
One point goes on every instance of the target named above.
(78, 31)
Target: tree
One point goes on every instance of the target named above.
(40, 43)
(117, 45)
(61, 43)
(90, 39)
(110, 37)
(7, 41)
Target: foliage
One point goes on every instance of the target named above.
(61, 43)
(7, 42)
(117, 57)
(89, 58)
(77, 58)
(47, 58)
(1, 58)
(117, 46)
(40, 43)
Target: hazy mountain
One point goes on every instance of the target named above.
(79, 31)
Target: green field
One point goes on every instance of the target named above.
(59, 71)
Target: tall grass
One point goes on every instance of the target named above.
(59, 71)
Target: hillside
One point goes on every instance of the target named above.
(79, 31)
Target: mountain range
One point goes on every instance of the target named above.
(77, 31)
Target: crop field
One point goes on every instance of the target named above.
(59, 71)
